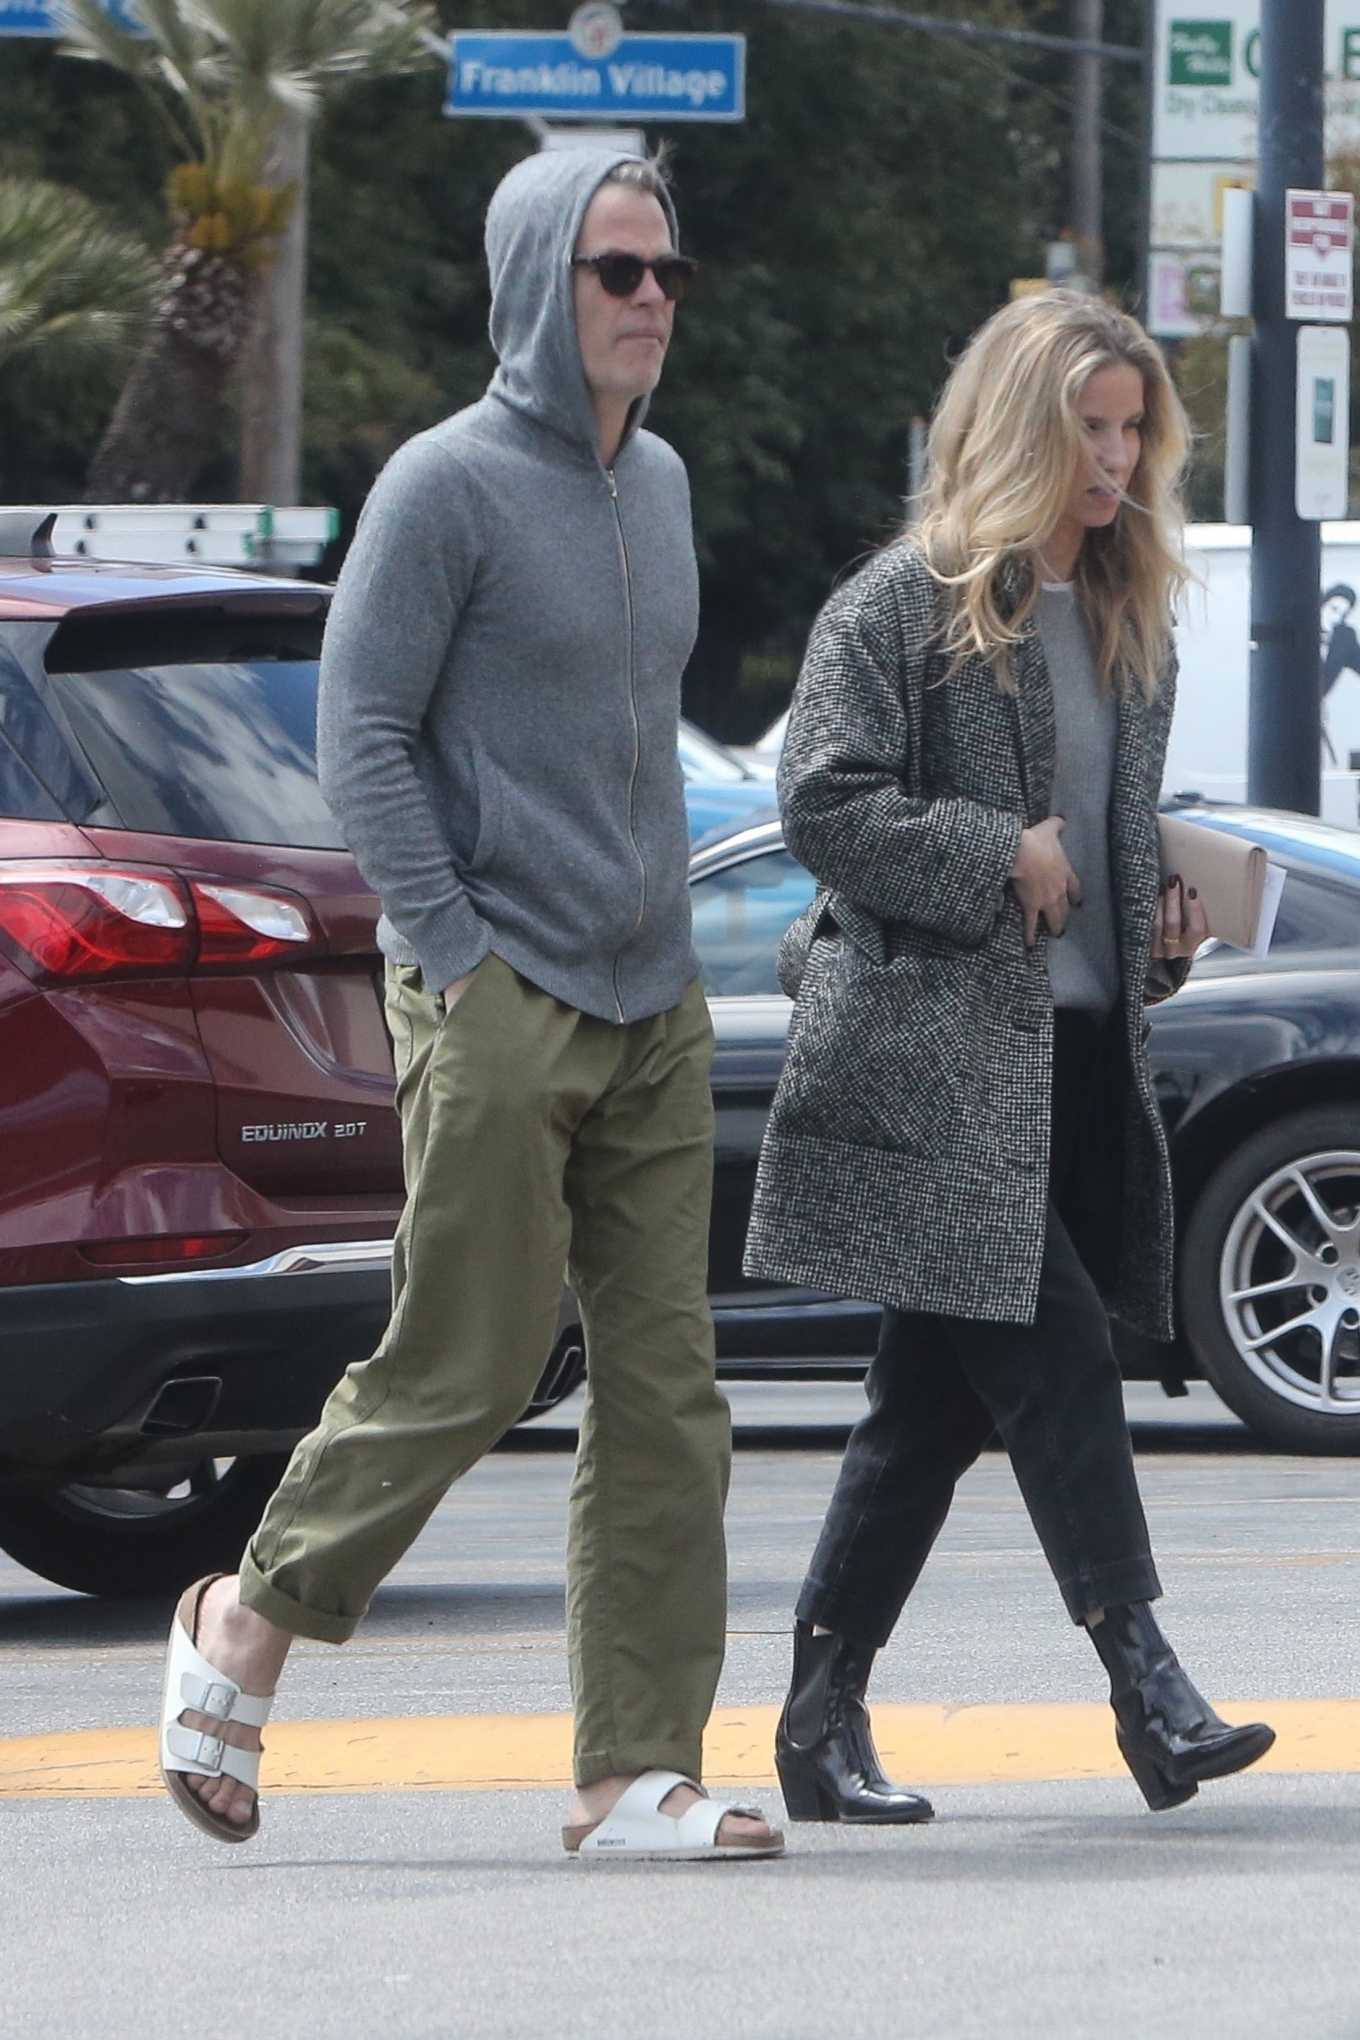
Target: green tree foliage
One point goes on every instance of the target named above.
(220, 77)
(71, 285)
(74, 291)
(869, 213)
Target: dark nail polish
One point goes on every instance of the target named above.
(1194, 892)
(1173, 880)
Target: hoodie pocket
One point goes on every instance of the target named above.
(490, 811)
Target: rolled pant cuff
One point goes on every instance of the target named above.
(257, 1594)
(627, 1759)
(819, 1609)
(1111, 1587)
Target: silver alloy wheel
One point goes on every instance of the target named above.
(1289, 1282)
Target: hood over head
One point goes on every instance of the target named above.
(532, 226)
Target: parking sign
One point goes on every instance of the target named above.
(1320, 232)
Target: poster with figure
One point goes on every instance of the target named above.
(1210, 734)
(1340, 649)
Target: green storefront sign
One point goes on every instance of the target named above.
(1201, 53)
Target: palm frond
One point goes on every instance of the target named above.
(69, 283)
(89, 30)
(179, 41)
(225, 74)
(288, 50)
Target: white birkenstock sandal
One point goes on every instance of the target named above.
(191, 1683)
(637, 1831)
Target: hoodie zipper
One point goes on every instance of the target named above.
(637, 729)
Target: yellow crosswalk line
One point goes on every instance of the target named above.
(484, 1752)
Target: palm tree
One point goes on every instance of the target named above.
(74, 294)
(71, 286)
(226, 78)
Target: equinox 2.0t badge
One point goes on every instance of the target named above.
(306, 1129)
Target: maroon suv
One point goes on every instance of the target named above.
(199, 1157)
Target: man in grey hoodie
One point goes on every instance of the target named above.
(500, 692)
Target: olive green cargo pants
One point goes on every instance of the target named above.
(537, 1138)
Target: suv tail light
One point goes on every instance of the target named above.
(69, 922)
(245, 924)
(78, 922)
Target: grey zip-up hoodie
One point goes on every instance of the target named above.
(500, 682)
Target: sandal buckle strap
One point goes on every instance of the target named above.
(209, 1696)
(196, 1747)
(210, 1748)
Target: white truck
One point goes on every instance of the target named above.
(1208, 751)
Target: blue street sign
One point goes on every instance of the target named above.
(647, 77)
(35, 17)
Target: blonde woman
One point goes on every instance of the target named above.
(965, 1130)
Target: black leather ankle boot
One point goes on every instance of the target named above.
(823, 1750)
(1168, 1734)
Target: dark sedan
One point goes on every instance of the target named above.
(1257, 1067)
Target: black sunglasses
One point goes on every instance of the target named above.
(621, 274)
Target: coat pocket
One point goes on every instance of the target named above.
(795, 946)
(828, 914)
(880, 1055)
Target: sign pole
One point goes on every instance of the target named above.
(1088, 173)
(1285, 732)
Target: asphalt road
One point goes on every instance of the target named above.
(1044, 1900)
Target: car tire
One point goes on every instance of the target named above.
(562, 1376)
(126, 1542)
(1235, 1247)
(129, 1542)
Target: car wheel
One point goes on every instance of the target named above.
(126, 1542)
(562, 1376)
(1270, 1280)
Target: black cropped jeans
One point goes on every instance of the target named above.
(941, 1387)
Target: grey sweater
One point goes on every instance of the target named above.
(500, 681)
(1083, 967)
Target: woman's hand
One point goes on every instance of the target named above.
(1045, 883)
(1180, 924)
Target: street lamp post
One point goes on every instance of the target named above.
(1284, 741)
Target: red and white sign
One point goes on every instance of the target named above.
(1319, 255)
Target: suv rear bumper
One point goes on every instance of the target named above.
(82, 1365)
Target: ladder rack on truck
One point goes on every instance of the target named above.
(170, 534)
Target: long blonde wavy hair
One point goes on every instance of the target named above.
(1007, 448)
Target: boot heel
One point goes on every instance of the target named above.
(803, 1799)
(1158, 1790)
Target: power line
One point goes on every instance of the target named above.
(1061, 96)
(967, 31)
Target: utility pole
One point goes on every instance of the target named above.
(1284, 741)
(271, 382)
(1088, 227)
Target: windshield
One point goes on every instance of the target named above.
(703, 758)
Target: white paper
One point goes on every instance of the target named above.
(1271, 894)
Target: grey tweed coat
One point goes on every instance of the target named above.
(906, 1155)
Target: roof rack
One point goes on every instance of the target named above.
(211, 534)
(27, 533)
